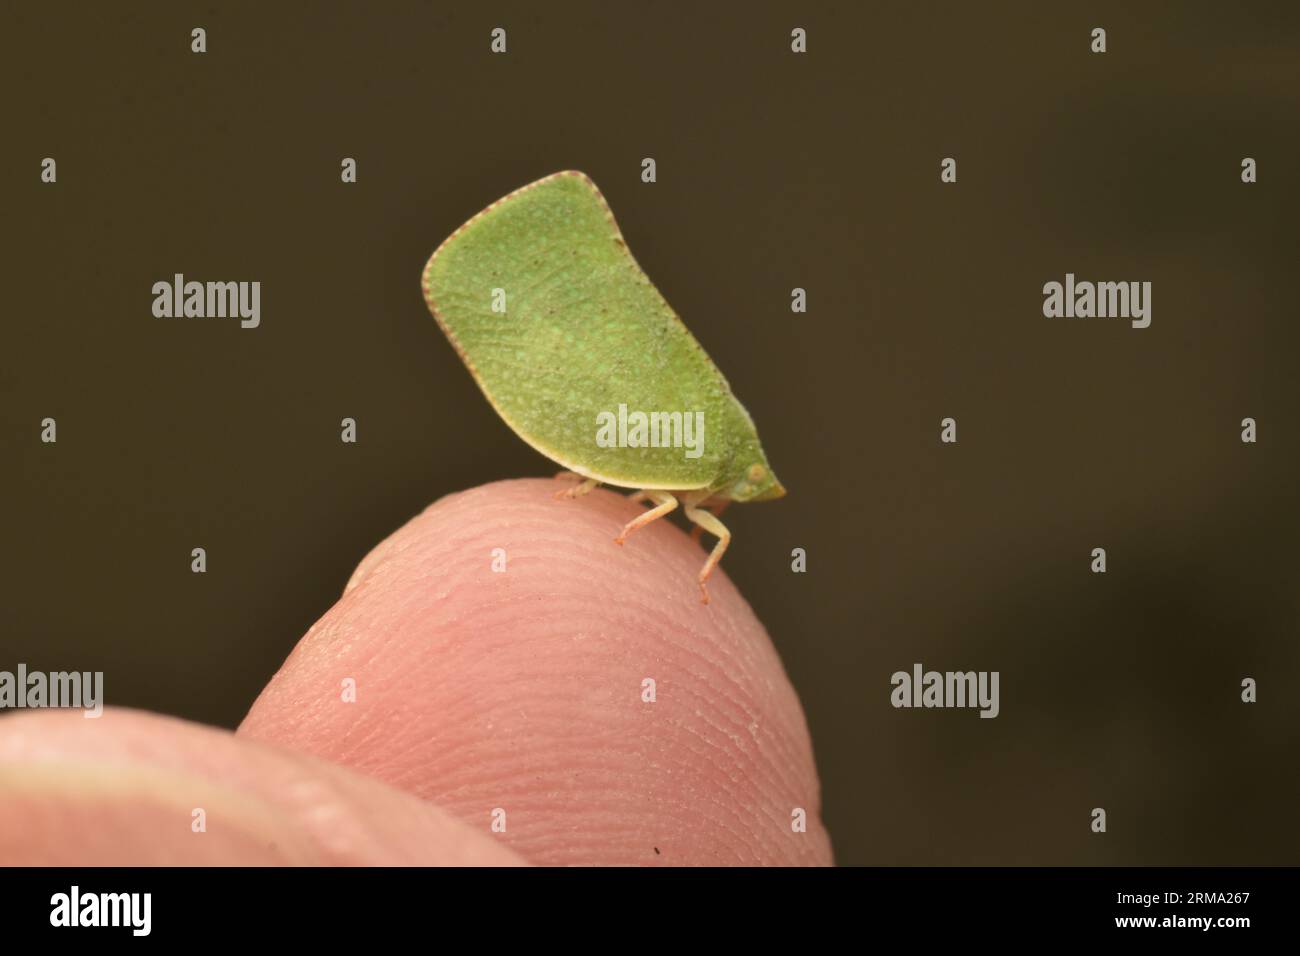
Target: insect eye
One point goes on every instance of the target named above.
(756, 472)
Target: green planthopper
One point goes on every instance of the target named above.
(583, 358)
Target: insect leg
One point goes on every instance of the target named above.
(717, 510)
(664, 503)
(710, 523)
(577, 490)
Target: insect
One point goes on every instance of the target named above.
(583, 358)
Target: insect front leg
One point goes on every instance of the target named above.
(664, 502)
(717, 509)
(710, 523)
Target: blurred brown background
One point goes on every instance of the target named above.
(774, 171)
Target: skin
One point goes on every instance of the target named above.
(475, 690)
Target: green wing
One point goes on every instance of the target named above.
(583, 332)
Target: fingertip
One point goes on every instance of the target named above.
(505, 657)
